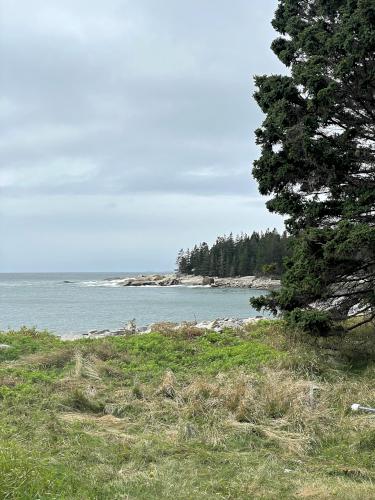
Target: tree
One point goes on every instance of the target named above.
(317, 158)
(242, 255)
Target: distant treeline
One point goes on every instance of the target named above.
(243, 255)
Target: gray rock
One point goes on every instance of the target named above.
(143, 329)
(5, 346)
(141, 282)
(157, 277)
(126, 282)
(263, 283)
(209, 325)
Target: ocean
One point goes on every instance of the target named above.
(72, 303)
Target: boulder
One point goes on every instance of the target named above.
(169, 282)
(206, 325)
(141, 282)
(126, 282)
(118, 332)
(143, 329)
(157, 277)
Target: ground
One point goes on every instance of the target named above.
(255, 413)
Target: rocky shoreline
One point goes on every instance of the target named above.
(255, 282)
(216, 325)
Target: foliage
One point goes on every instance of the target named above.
(226, 415)
(25, 341)
(317, 159)
(241, 256)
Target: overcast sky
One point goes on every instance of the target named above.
(127, 129)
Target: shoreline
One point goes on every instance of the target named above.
(216, 325)
(175, 279)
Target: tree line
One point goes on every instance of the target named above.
(242, 255)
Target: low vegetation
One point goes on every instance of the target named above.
(253, 413)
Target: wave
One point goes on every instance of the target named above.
(106, 284)
(10, 284)
(118, 284)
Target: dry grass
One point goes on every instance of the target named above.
(185, 330)
(165, 327)
(54, 359)
(168, 385)
(291, 412)
(279, 429)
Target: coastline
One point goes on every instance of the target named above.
(175, 279)
(217, 325)
(179, 280)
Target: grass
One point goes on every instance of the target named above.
(253, 413)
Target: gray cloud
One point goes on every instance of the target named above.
(142, 100)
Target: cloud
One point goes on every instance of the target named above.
(141, 100)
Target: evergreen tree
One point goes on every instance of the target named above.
(317, 159)
(243, 255)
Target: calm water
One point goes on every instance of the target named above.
(89, 302)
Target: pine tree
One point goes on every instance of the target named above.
(229, 256)
(317, 160)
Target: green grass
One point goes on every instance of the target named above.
(186, 415)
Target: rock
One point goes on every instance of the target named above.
(205, 325)
(169, 282)
(219, 325)
(139, 282)
(174, 281)
(5, 346)
(216, 325)
(192, 281)
(262, 283)
(125, 282)
(157, 277)
(116, 333)
(213, 324)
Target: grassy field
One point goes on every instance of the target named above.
(255, 413)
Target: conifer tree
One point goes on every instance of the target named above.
(243, 255)
(317, 161)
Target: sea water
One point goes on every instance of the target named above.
(73, 303)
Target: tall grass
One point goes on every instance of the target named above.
(256, 413)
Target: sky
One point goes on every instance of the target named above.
(127, 129)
